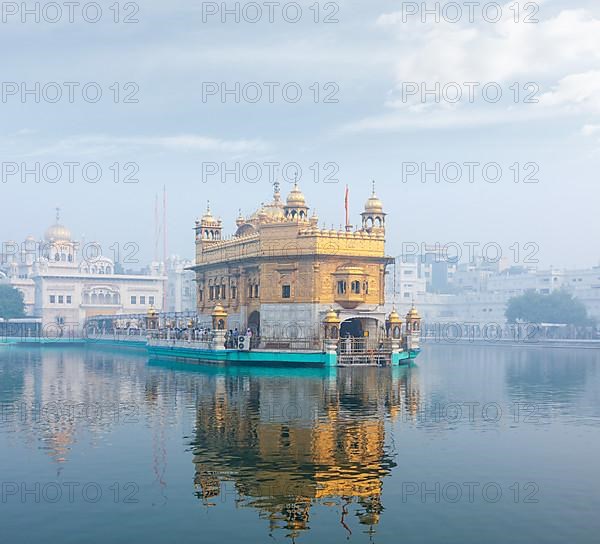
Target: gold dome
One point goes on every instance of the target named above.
(208, 217)
(273, 210)
(394, 317)
(58, 232)
(296, 198)
(219, 311)
(331, 317)
(413, 314)
(373, 205)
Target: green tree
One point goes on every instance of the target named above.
(557, 307)
(11, 302)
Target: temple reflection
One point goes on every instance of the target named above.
(284, 450)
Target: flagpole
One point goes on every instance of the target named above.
(346, 198)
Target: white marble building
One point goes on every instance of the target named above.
(181, 285)
(63, 288)
(480, 295)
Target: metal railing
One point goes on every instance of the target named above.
(364, 351)
(291, 344)
(182, 343)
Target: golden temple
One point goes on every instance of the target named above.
(279, 273)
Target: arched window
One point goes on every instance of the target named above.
(356, 287)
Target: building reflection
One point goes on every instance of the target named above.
(63, 397)
(284, 451)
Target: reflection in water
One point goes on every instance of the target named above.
(307, 452)
(320, 441)
(58, 397)
(279, 439)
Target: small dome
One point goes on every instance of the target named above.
(394, 317)
(58, 232)
(373, 205)
(296, 198)
(208, 216)
(271, 211)
(219, 311)
(331, 317)
(413, 314)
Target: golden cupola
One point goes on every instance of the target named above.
(295, 206)
(209, 228)
(373, 217)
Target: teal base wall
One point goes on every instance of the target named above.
(404, 357)
(243, 357)
(227, 356)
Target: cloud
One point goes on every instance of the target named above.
(446, 119)
(560, 53)
(576, 92)
(502, 51)
(102, 144)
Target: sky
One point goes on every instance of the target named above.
(182, 94)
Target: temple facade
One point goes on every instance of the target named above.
(63, 286)
(280, 273)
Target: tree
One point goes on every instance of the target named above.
(12, 304)
(557, 307)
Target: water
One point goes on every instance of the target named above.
(475, 444)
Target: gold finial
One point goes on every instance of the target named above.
(373, 182)
(57, 214)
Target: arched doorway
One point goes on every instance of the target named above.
(361, 327)
(352, 327)
(254, 323)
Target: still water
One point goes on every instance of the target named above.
(474, 444)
